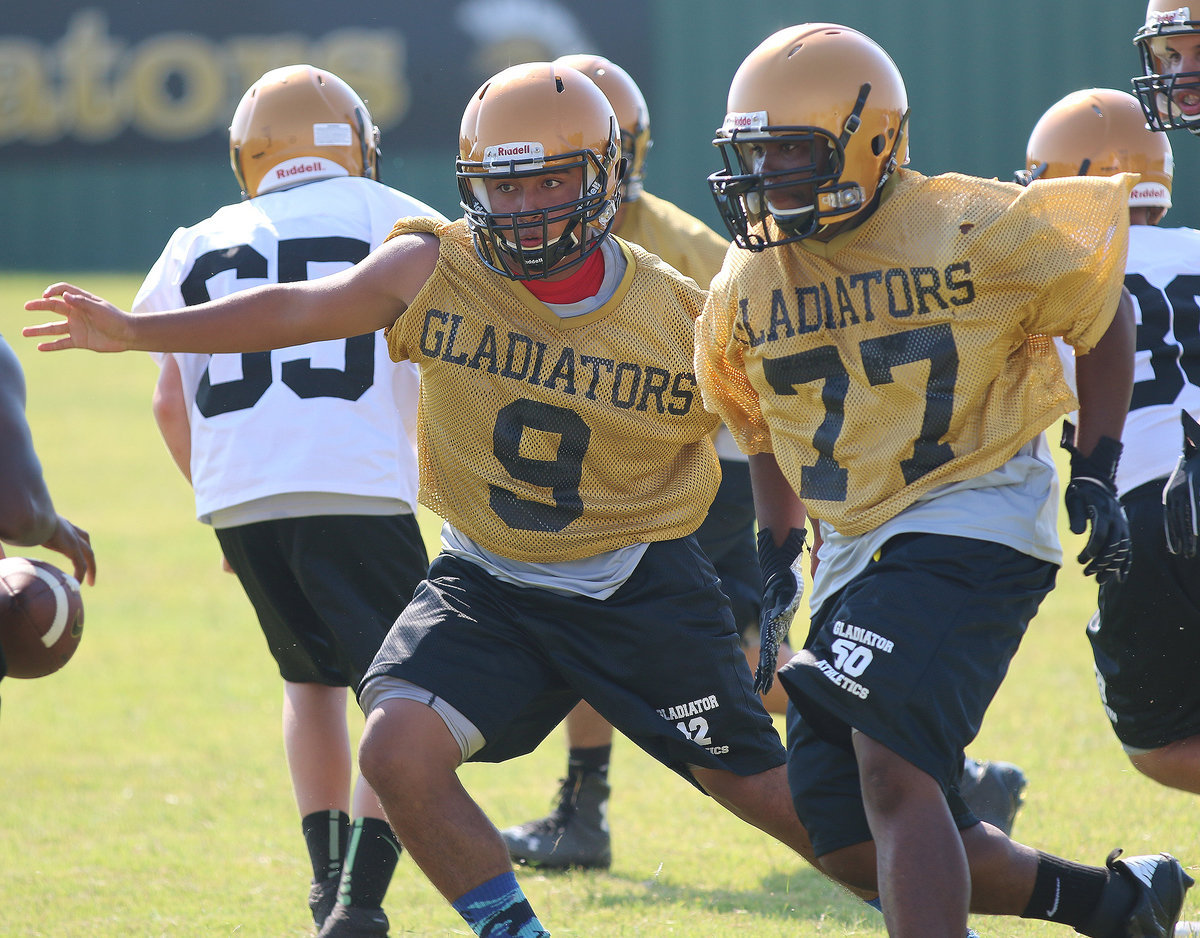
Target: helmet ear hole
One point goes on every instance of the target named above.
(878, 142)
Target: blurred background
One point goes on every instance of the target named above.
(114, 114)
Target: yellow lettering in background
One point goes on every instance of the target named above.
(177, 86)
(199, 104)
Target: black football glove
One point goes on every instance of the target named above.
(783, 587)
(1092, 495)
(1180, 508)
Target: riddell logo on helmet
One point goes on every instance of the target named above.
(744, 121)
(501, 157)
(1169, 18)
(1149, 193)
(297, 168)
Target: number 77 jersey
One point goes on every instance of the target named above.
(913, 351)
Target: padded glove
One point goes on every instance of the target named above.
(783, 587)
(1180, 509)
(1092, 496)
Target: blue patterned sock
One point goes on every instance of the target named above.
(498, 909)
(874, 904)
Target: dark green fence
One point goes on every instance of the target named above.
(111, 113)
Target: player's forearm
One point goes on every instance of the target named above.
(27, 515)
(256, 320)
(1105, 380)
(775, 503)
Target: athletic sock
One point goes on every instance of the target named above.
(326, 833)
(1072, 894)
(370, 861)
(592, 759)
(498, 909)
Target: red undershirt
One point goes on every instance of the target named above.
(584, 282)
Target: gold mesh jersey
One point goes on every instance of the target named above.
(548, 439)
(913, 350)
(680, 239)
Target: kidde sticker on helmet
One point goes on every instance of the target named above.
(499, 158)
(744, 121)
(332, 135)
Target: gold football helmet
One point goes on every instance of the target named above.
(528, 120)
(830, 91)
(1101, 132)
(1168, 89)
(298, 124)
(633, 117)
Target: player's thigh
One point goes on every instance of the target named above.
(463, 639)
(913, 650)
(1146, 637)
(662, 661)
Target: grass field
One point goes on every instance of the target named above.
(143, 790)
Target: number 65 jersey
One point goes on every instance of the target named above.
(912, 351)
(334, 417)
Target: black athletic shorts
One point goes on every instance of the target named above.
(727, 537)
(327, 588)
(1146, 636)
(659, 659)
(910, 653)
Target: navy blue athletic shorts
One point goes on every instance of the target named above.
(659, 659)
(727, 537)
(910, 653)
(327, 588)
(1146, 636)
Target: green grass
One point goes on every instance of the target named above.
(144, 790)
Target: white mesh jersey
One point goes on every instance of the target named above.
(549, 439)
(911, 352)
(327, 417)
(1163, 276)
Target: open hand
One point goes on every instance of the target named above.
(90, 322)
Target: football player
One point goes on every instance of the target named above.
(1169, 86)
(562, 437)
(1146, 635)
(879, 345)
(576, 832)
(303, 459)
(27, 514)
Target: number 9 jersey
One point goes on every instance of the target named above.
(912, 351)
(547, 438)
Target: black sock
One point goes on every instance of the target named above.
(593, 759)
(370, 861)
(326, 833)
(1072, 894)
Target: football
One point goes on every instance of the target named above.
(41, 616)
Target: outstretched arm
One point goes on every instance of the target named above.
(363, 298)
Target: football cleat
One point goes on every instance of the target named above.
(354, 921)
(321, 897)
(574, 835)
(1161, 885)
(994, 791)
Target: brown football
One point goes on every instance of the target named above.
(41, 616)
